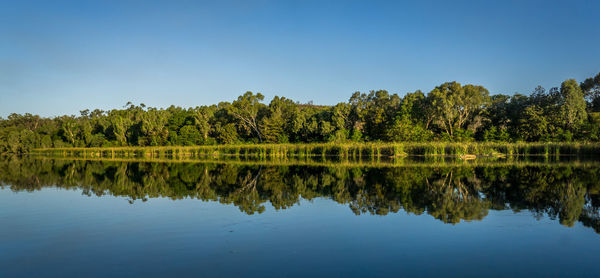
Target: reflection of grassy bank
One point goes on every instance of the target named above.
(346, 150)
(332, 161)
(452, 193)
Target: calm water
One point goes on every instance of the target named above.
(61, 218)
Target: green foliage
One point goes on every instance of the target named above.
(246, 109)
(227, 134)
(370, 113)
(276, 126)
(492, 134)
(533, 124)
(339, 136)
(272, 129)
(404, 130)
(463, 135)
(450, 112)
(356, 135)
(591, 89)
(573, 105)
(455, 106)
(189, 136)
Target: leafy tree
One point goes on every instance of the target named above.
(573, 105)
(591, 89)
(455, 105)
(371, 113)
(533, 125)
(68, 130)
(246, 109)
(202, 119)
(340, 114)
(449, 112)
(13, 142)
(403, 129)
(189, 135)
(153, 128)
(227, 134)
(272, 128)
(498, 118)
(118, 129)
(278, 123)
(409, 123)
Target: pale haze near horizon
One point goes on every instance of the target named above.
(60, 57)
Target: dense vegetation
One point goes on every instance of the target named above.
(448, 192)
(450, 112)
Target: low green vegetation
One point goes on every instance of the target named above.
(451, 112)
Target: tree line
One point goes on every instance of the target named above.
(451, 112)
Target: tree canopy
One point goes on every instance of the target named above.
(450, 112)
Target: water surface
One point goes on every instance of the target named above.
(109, 218)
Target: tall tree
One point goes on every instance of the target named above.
(277, 124)
(202, 120)
(591, 90)
(533, 125)
(573, 105)
(456, 105)
(153, 127)
(246, 109)
(272, 127)
(410, 121)
(372, 112)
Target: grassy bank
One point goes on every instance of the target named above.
(346, 150)
(333, 162)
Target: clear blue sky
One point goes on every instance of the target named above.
(59, 57)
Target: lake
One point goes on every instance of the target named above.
(99, 218)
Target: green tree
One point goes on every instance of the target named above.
(13, 142)
(118, 128)
(227, 134)
(278, 123)
(153, 127)
(272, 127)
(246, 109)
(403, 129)
(591, 89)
(533, 125)
(573, 105)
(454, 105)
(68, 129)
(189, 135)
(203, 116)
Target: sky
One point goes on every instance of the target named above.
(60, 57)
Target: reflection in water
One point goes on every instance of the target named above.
(450, 193)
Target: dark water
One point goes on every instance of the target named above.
(61, 218)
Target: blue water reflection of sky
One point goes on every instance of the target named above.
(55, 232)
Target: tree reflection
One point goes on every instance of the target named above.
(454, 195)
(449, 193)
